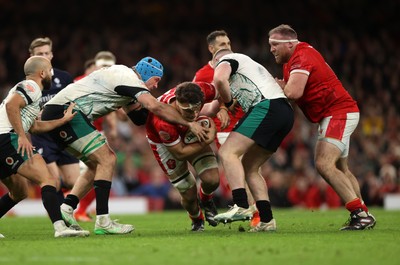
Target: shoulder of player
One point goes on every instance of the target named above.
(61, 74)
(159, 123)
(28, 85)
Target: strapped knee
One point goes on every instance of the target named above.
(205, 161)
(184, 182)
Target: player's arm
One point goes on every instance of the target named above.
(182, 151)
(210, 109)
(45, 126)
(164, 111)
(170, 114)
(111, 121)
(221, 82)
(136, 113)
(295, 86)
(13, 107)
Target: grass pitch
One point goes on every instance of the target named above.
(303, 237)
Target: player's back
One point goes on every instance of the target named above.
(250, 82)
(95, 94)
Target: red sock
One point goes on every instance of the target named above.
(355, 204)
(86, 201)
(364, 207)
(199, 215)
(205, 197)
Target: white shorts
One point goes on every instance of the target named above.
(222, 136)
(337, 130)
(172, 167)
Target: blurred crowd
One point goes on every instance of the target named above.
(359, 44)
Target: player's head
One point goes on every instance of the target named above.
(104, 59)
(217, 40)
(41, 47)
(150, 70)
(189, 100)
(283, 40)
(89, 66)
(39, 69)
(218, 55)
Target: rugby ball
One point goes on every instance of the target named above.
(189, 137)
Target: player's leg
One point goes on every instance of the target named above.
(17, 191)
(54, 171)
(252, 161)
(71, 169)
(103, 160)
(342, 165)
(185, 183)
(70, 173)
(330, 152)
(36, 171)
(326, 157)
(206, 166)
(230, 154)
(220, 140)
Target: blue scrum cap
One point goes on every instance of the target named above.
(149, 67)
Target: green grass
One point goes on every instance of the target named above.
(303, 237)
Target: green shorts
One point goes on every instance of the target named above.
(267, 123)
(10, 159)
(79, 137)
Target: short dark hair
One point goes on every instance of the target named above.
(213, 35)
(189, 92)
(284, 30)
(88, 63)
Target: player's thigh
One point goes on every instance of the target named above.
(326, 154)
(103, 155)
(18, 187)
(70, 172)
(254, 158)
(236, 144)
(36, 171)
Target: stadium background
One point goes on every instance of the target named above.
(358, 39)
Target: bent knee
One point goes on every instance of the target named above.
(19, 195)
(107, 158)
(210, 177)
(323, 166)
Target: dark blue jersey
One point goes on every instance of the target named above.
(43, 142)
(60, 80)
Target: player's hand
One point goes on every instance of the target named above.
(232, 108)
(212, 133)
(25, 146)
(68, 113)
(198, 130)
(224, 118)
(280, 82)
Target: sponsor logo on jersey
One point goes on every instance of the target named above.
(9, 161)
(30, 88)
(164, 135)
(171, 163)
(63, 134)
